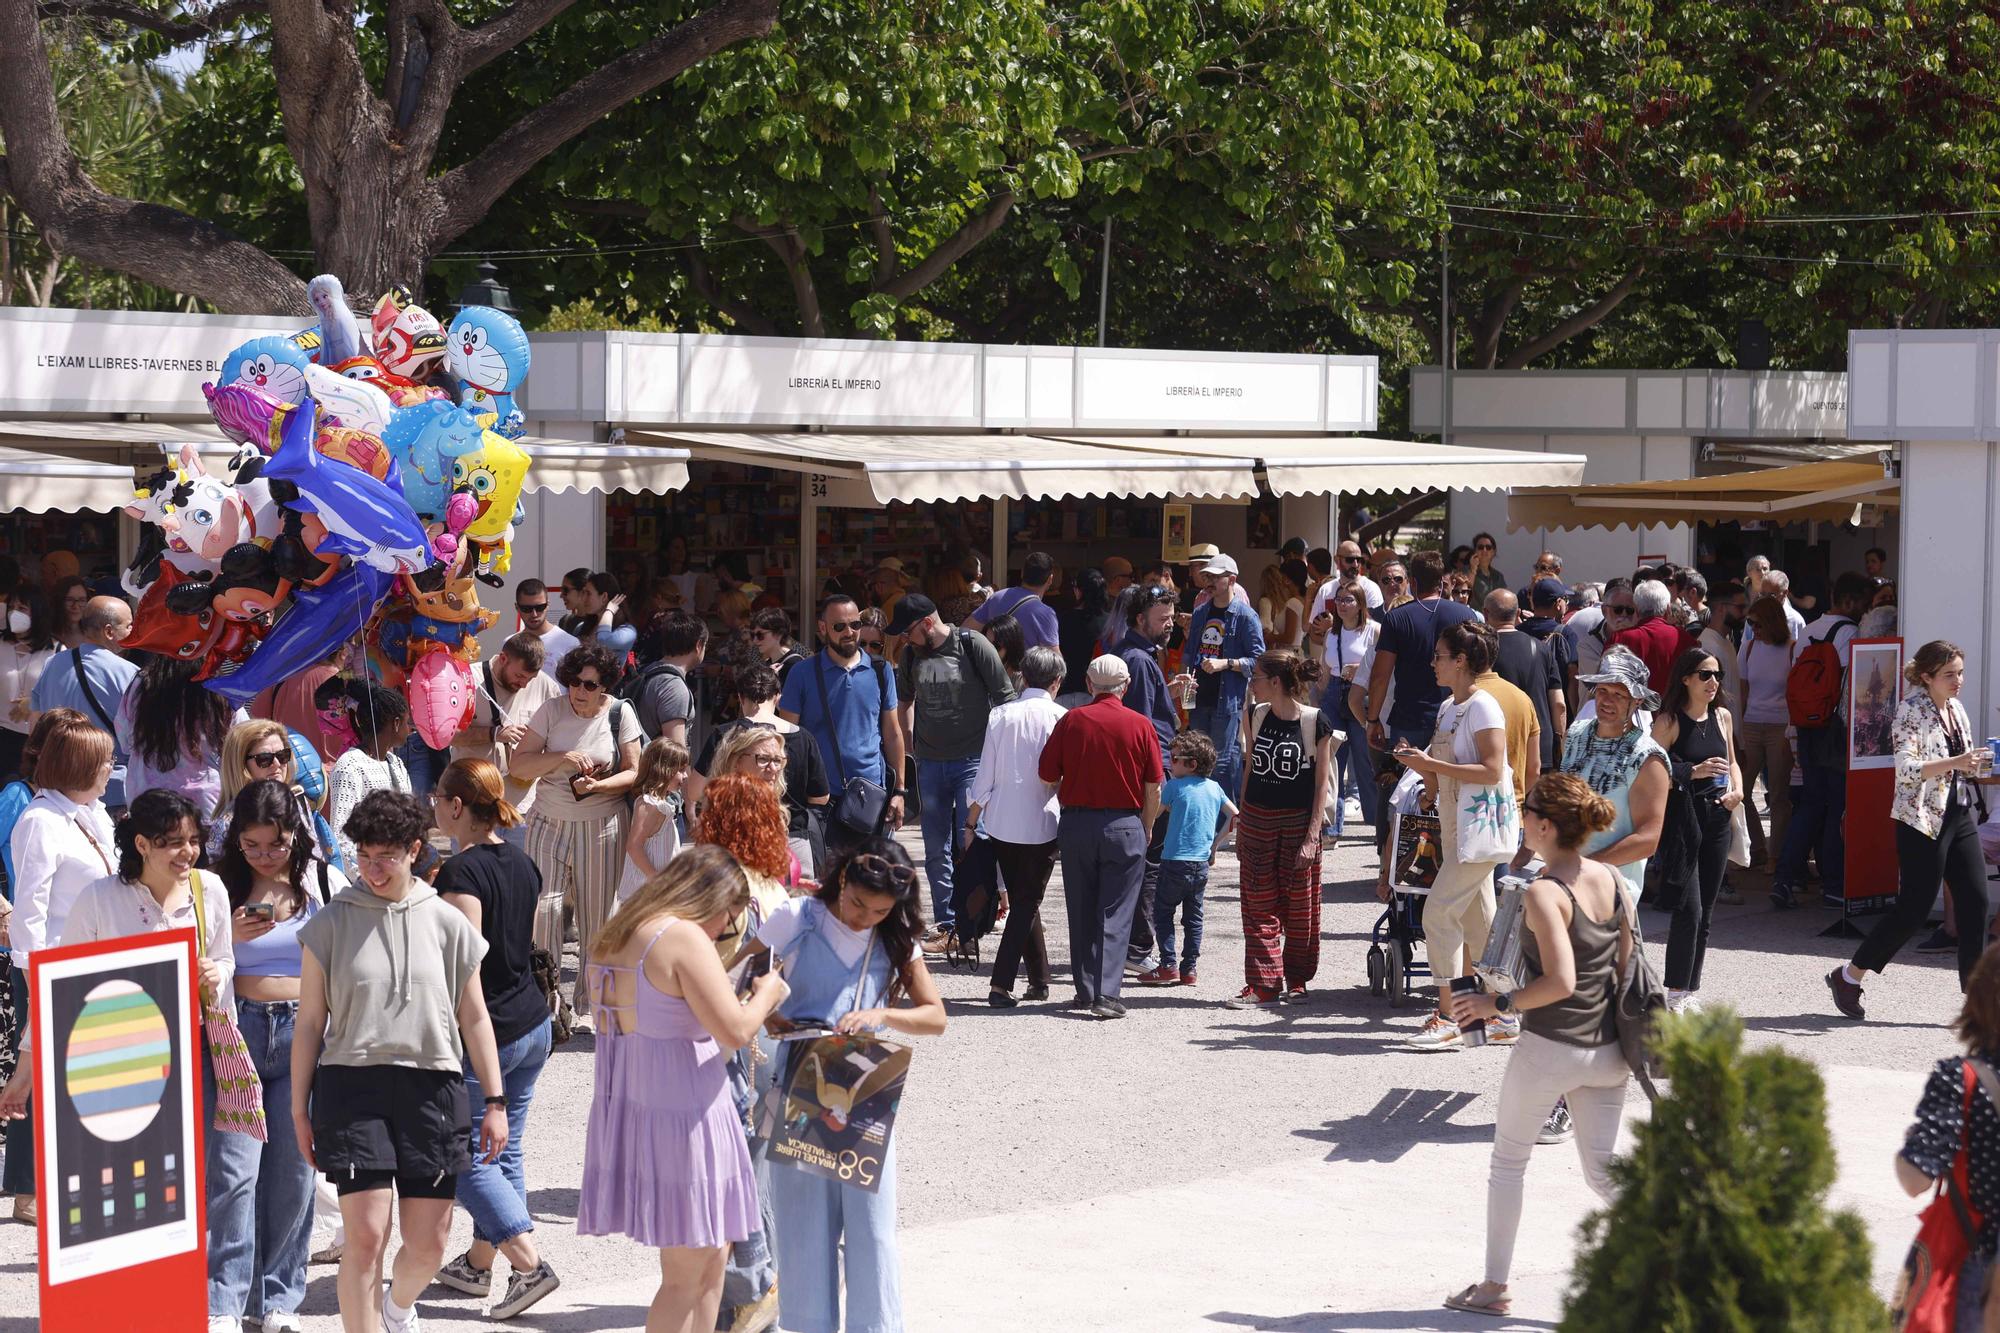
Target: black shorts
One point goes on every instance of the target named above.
(407, 1187)
(390, 1121)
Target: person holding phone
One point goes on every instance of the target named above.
(582, 750)
(1699, 737)
(390, 1009)
(260, 1195)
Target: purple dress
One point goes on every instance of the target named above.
(665, 1162)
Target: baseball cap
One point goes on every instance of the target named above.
(1545, 591)
(1221, 564)
(910, 608)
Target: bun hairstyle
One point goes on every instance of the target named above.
(1473, 640)
(1930, 659)
(153, 815)
(1568, 802)
(1295, 674)
(477, 783)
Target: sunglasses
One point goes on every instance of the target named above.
(1534, 809)
(883, 869)
(1354, 560)
(1395, 578)
(872, 645)
(1616, 610)
(267, 759)
(531, 609)
(1707, 674)
(588, 686)
(1483, 547)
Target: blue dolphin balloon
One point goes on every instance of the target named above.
(315, 622)
(364, 518)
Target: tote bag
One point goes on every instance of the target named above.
(239, 1092)
(1489, 820)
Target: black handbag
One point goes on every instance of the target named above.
(862, 805)
(1638, 1001)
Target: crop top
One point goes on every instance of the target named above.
(275, 953)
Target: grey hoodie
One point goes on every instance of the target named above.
(394, 974)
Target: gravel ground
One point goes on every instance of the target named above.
(1196, 1168)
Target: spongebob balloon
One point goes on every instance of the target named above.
(494, 474)
(486, 353)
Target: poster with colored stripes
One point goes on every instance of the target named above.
(116, 1108)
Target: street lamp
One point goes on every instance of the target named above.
(487, 290)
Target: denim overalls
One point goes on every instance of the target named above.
(814, 1214)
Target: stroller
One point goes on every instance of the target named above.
(1395, 968)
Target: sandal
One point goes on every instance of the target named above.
(1468, 1302)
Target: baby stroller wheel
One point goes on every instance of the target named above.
(1378, 969)
(1397, 972)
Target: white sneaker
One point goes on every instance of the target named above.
(390, 1324)
(1437, 1034)
(1676, 1001)
(279, 1321)
(1503, 1029)
(224, 1323)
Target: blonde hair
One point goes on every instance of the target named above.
(658, 762)
(477, 783)
(236, 748)
(741, 741)
(699, 884)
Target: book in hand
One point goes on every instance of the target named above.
(835, 1106)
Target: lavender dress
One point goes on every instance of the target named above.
(665, 1162)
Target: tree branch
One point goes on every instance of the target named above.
(885, 239)
(506, 30)
(1492, 322)
(1582, 321)
(468, 190)
(179, 31)
(738, 313)
(954, 248)
(784, 240)
(154, 244)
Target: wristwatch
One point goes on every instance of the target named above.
(1503, 1003)
(500, 1102)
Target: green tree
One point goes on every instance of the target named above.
(365, 93)
(1721, 1225)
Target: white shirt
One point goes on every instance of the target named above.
(787, 920)
(110, 907)
(1015, 805)
(352, 777)
(556, 643)
(1323, 599)
(19, 670)
(1795, 620)
(1463, 723)
(1274, 622)
(54, 861)
(1822, 631)
(1345, 645)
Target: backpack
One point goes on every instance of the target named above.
(1812, 686)
(633, 691)
(975, 899)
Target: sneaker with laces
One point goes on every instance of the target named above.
(1782, 897)
(1437, 1034)
(1558, 1127)
(1503, 1029)
(1188, 976)
(391, 1324)
(282, 1321)
(1159, 976)
(524, 1289)
(1939, 941)
(1251, 998)
(460, 1275)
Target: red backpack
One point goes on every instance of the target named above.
(1812, 687)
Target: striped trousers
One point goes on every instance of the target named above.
(580, 864)
(1280, 896)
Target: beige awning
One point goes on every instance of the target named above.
(572, 465)
(41, 482)
(913, 468)
(1827, 492)
(1328, 464)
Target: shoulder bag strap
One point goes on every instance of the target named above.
(76, 663)
(95, 845)
(826, 711)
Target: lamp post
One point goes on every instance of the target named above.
(486, 289)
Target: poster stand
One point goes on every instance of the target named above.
(118, 1135)
(1874, 688)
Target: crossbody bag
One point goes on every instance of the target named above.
(862, 805)
(89, 694)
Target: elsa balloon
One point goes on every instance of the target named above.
(486, 353)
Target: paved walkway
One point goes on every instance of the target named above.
(1193, 1168)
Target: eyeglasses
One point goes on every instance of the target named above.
(400, 856)
(261, 853)
(587, 686)
(769, 760)
(1614, 609)
(76, 601)
(882, 868)
(1484, 546)
(760, 634)
(1346, 598)
(872, 645)
(1395, 578)
(267, 758)
(532, 609)
(1707, 673)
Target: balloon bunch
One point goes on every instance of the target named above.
(378, 479)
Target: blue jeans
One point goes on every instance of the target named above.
(822, 1222)
(1815, 826)
(425, 764)
(260, 1195)
(945, 787)
(1220, 723)
(1354, 761)
(495, 1194)
(1182, 884)
(749, 1271)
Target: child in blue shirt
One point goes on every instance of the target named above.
(1197, 810)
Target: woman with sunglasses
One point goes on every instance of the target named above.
(1699, 737)
(253, 751)
(872, 632)
(260, 1194)
(381, 725)
(847, 953)
(582, 749)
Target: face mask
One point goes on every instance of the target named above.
(17, 622)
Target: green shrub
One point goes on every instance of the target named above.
(1721, 1224)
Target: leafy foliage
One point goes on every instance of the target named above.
(1721, 1222)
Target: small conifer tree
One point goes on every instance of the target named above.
(1721, 1224)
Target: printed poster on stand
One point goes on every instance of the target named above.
(118, 1139)
(1874, 688)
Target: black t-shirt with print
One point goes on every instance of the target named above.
(1281, 764)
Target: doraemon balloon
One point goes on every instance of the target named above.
(486, 352)
(274, 366)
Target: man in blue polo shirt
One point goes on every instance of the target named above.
(847, 700)
(92, 679)
(1027, 602)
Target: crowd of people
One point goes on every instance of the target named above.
(671, 783)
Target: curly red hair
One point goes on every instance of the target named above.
(742, 816)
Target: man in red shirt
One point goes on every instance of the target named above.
(1654, 641)
(1104, 760)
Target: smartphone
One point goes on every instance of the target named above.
(261, 911)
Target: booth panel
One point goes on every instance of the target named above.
(1949, 489)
